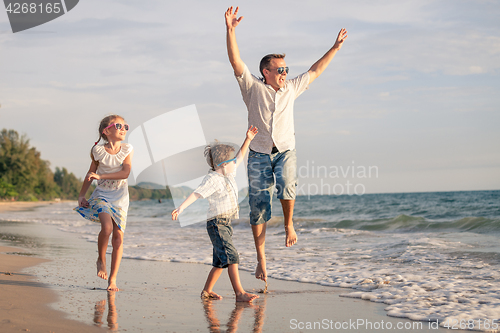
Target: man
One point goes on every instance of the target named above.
(272, 153)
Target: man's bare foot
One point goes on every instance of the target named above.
(260, 270)
(245, 297)
(112, 286)
(101, 270)
(291, 236)
(209, 295)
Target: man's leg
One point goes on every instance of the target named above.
(285, 169)
(259, 237)
(291, 236)
(260, 187)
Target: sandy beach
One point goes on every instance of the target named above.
(13, 206)
(52, 287)
(24, 301)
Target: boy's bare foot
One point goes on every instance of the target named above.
(260, 270)
(112, 286)
(245, 297)
(291, 236)
(101, 270)
(210, 295)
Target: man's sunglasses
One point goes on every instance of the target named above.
(281, 70)
(118, 126)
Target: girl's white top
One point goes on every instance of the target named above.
(113, 191)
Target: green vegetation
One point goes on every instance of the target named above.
(23, 174)
(69, 185)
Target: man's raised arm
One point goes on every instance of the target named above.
(320, 65)
(232, 47)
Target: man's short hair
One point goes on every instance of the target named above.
(264, 63)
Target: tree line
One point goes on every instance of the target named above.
(24, 176)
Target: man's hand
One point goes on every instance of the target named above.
(340, 39)
(231, 18)
(320, 65)
(233, 52)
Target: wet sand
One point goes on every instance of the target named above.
(12, 206)
(23, 301)
(160, 296)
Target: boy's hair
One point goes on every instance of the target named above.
(216, 153)
(264, 63)
(102, 125)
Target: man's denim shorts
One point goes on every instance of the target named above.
(262, 169)
(220, 231)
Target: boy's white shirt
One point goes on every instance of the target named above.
(222, 195)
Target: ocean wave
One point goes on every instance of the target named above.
(406, 223)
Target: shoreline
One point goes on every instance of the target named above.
(159, 296)
(16, 206)
(24, 302)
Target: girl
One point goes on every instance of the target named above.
(108, 204)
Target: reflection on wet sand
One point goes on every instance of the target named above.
(232, 324)
(112, 318)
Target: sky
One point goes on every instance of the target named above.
(410, 102)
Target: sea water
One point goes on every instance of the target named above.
(428, 256)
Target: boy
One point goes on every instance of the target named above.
(219, 188)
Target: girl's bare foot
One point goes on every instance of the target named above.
(101, 269)
(112, 286)
(291, 236)
(245, 297)
(99, 310)
(260, 271)
(210, 294)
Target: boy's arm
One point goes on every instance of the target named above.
(320, 65)
(232, 47)
(189, 200)
(82, 202)
(122, 174)
(251, 133)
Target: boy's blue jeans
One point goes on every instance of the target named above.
(220, 231)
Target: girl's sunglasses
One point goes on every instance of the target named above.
(118, 126)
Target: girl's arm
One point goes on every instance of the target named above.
(189, 200)
(82, 202)
(122, 174)
(251, 133)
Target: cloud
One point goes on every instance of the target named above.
(407, 68)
